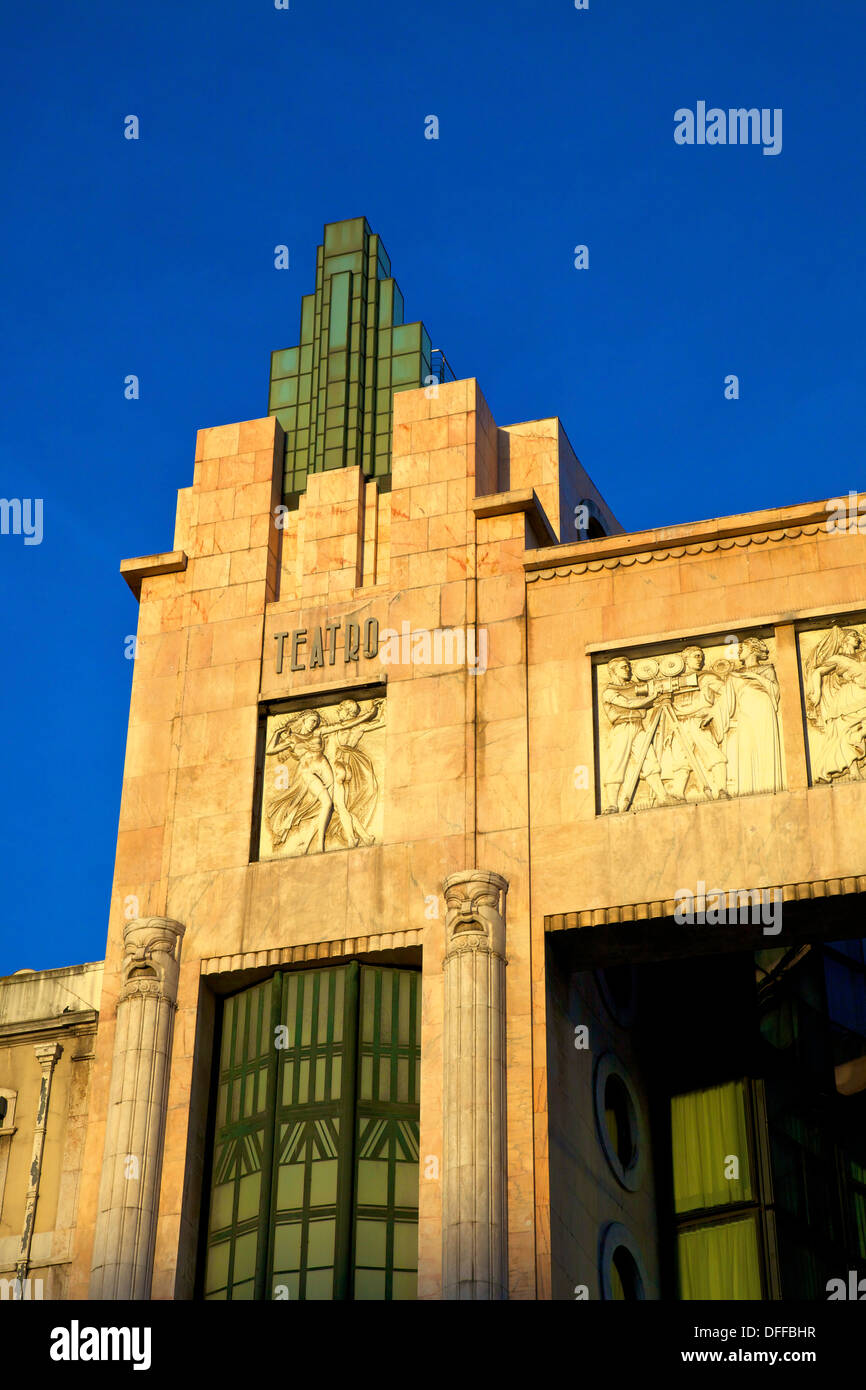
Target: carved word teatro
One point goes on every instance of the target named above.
(396, 1001)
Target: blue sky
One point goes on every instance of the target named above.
(258, 125)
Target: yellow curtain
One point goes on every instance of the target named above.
(719, 1262)
(708, 1130)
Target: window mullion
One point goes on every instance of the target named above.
(266, 1222)
(349, 1091)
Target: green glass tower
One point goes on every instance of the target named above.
(333, 392)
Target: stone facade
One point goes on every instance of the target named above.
(439, 662)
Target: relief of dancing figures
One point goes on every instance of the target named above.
(323, 779)
(834, 690)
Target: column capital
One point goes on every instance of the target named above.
(151, 951)
(475, 911)
(47, 1054)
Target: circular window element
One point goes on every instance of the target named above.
(620, 1265)
(618, 1121)
(617, 985)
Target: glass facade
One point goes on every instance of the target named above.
(813, 1027)
(314, 1170)
(774, 1077)
(333, 392)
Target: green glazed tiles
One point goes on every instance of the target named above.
(333, 393)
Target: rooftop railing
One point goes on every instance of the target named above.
(440, 367)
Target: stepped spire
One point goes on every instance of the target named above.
(333, 392)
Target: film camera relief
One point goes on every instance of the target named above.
(695, 725)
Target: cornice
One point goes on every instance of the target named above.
(60, 1026)
(642, 912)
(518, 500)
(671, 543)
(313, 950)
(146, 566)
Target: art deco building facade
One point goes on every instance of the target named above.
(427, 763)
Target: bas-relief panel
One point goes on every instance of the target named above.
(697, 724)
(833, 663)
(323, 777)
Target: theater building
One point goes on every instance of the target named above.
(488, 910)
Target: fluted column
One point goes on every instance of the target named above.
(474, 1214)
(122, 1265)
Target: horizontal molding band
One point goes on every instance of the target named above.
(60, 1026)
(642, 912)
(313, 950)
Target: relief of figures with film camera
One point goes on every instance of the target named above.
(699, 724)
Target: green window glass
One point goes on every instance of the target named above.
(386, 1202)
(341, 289)
(314, 1177)
(241, 1154)
(405, 371)
(283, 393)
(308, 309)
(309, 1227)
(348, 330)
(407, 338)
(352, 260)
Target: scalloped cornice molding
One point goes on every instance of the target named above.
(628, 548)
(675, 552)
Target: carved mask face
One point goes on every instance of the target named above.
(145, 954)
(471, 913)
